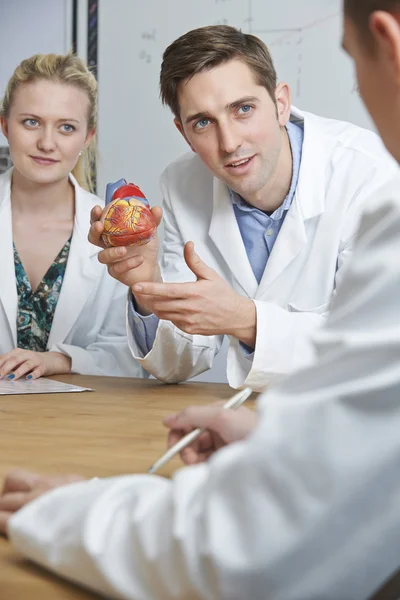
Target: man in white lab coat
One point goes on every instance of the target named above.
(271, 198)
(308, 506)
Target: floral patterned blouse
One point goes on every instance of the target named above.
(36, 309)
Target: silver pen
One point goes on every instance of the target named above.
(234, 402)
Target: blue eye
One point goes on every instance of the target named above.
(31, 122)
(67, 128)
(245, 109)
(202, 123)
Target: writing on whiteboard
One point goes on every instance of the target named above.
(148, 37)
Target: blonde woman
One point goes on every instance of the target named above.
(60, 311)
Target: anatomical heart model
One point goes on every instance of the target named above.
(127, 218)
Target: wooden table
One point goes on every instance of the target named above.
(115, 429)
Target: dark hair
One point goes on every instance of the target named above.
(359, 11)
(208, 47)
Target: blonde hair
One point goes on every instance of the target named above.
(62, 68)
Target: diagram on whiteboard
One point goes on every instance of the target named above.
(288, 39)
(304, 39)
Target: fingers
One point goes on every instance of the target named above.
(7, 369)
(4, 358)
(124, 266)
(199, 451)
(175, 291)
(119, 264)
(168, 310)
(20, 362)
(96, 227)
(174, 435)
(11, 360)
(18, 489)
(95, 214)
(192, 417)
(189, 254)
(229, 425)
(196, 265)
(13, 501)
(36, 373)
(20, 480)
(21, 487)
(185, 320)
(189, 456)
(4, 516)
(30, 366)
(109, 256)
(157, 214)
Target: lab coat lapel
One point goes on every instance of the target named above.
(8, 288)
(308, 202)
(82, 272)
(290, 241)
(224, 232)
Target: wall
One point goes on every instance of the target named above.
(28, 27)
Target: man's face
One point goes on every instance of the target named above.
(231, 122)
(378, 82)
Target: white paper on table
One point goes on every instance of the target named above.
(37, 386)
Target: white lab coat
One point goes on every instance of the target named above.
(341, 165)
(89, 320)
(306, 509)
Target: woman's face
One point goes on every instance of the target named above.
(46, 129)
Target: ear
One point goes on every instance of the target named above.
(4, 126)
(179, 126)
(282, 96)
(385, 29)
(89, 136)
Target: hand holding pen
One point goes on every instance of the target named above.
(215, 427)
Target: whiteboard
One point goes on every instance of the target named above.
(27, 28)
(137, 138)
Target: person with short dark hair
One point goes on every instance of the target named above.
(307, 506)
(271, 199)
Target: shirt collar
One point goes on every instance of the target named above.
(296, 135)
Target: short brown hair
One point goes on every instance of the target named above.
(359, 11)
(208, 47)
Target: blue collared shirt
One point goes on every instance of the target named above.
(258, 230)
